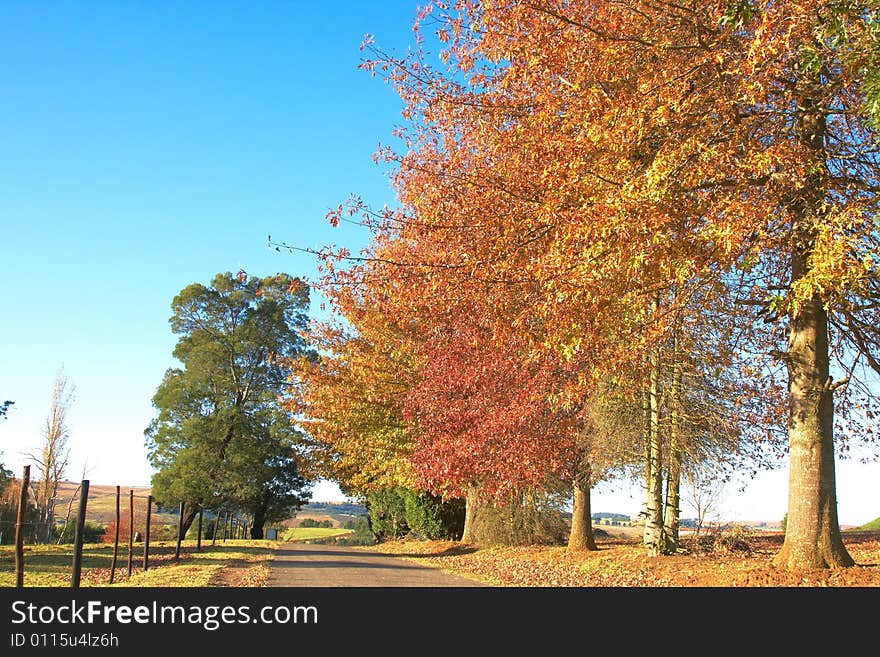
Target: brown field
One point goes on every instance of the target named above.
(719, 560)
(101, 507)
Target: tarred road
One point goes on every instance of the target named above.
(313, 565)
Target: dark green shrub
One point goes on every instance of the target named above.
(363, 535)
(311, 522)
(92, 532)
(387, 512)
(433, 518)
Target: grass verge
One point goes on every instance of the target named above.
(231, 563)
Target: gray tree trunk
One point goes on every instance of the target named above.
(653, 536)
(672, 513)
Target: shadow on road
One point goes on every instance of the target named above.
(340, 563)
(300, 564)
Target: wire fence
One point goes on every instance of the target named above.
(42, 528)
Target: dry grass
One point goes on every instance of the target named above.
(238, 563)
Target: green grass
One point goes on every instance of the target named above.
(874, 526)
(308, 533)
(50, 565)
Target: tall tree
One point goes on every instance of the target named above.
(51, 462)
(220, 438)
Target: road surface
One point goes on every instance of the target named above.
(314, 565)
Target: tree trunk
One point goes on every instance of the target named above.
(470, 513)
(257, 527)
(50, 521)
(259, 520)
(812, 532)
(672, 513)
(646, 453)
(581, 535)
(188, 519)
(653, 539)
(67, 517)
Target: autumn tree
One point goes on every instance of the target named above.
(605, 164)
(459, 239)
(667, 145)
(781, 162)
(221, 436)
(345, 398)
(491, 422)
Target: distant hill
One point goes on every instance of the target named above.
(338, 513)
(336, 508)
(872, 526)
(610, 516)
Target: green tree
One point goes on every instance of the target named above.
(263, 475)
(220, 437)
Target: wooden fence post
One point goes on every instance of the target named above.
(225, 523)
(147, 532)
(130, 529)
(19, 526)
(115, 539)
(199, 538)
(179, 532)
(78, 536)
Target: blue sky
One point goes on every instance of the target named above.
(150, 145)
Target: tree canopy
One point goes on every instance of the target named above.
(675, 201)
(221, 437)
